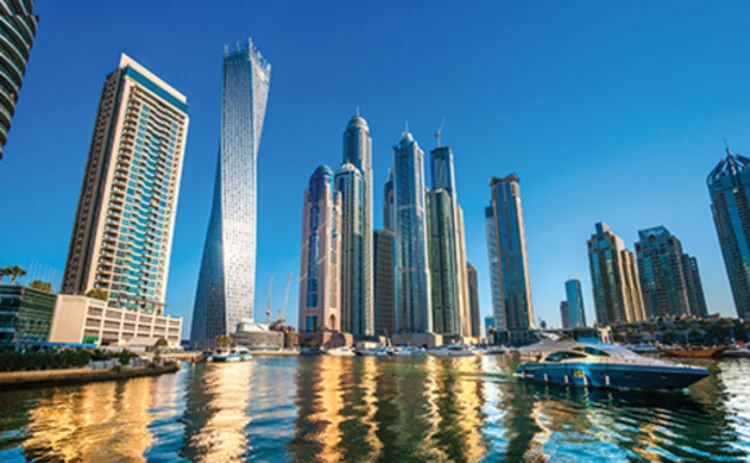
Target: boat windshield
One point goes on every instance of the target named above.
(592, 351)
(563, 355)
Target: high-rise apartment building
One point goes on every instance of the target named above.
(412, 279)
(574, 300)
(496, 288)
(320, 256)
(226, 284)
(661, 273)
(354, 182)
(564, 314)
(728, 185)
(388, 202)
(385, 303)
(617, 295)
(18, 24)
(507, 246)
(122, 234)
(473, 283)
(696, 298)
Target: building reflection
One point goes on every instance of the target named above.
(217, 413)
(97, 422)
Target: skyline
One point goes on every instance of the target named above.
(545, 190)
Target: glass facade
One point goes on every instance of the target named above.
(661, 273)
(496, 289)
(473, 283)
(354, 182)
(388, 203)
(25, 314)
(18, 25)
(226, 285)
(385, 317)
(413, 298)
(506, 230)
(617, 295)
(574, 304)
(728, 186)
(696, 297)
(320, 255)
(564, 314)
(122, 233)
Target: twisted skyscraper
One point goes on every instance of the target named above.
(226, 284)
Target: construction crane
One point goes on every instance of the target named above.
(439, 131)
(268, 304)
(286, 298)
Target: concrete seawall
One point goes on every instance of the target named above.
(47, 378)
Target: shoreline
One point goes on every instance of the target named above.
(17, 380)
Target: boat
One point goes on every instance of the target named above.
(736, 353)
(452, 350)
(409, 351)
(343, 351)
(694, 352)
(232, 354)
(604, 365)
(644, 348)
(312, 351)
(376, 352)
(494, 350)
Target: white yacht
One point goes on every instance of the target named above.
(343, 351)
(231, 354)
(452, 350)
(409, 351)
(376, 352)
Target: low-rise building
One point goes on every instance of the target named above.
(84, 319)
(25, 314)
(258, 336)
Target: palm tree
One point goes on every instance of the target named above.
(15, 272)
(3, 272)
(224, 340)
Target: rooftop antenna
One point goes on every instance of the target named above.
(406, 126)
(268, 304)
(439, 131)
(357, 110)
(726, 146)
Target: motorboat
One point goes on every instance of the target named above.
(231, 354)
(644, 348)
(736, 353)
(452, 350)
(494, 350)
(343, 351)
(694, 352)
(603, 365)
(409, 351)
(312, 351)
(376, 352)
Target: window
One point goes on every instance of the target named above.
(560, 356)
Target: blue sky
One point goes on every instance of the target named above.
(606, 111)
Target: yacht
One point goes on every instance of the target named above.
(343, 351)
(736, 352)
(603, 365)
(409, 351)
(644, 348)
(231, 354)
(452, 350)
(376, 352)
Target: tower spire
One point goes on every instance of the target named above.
(357, 111)
(726, 146)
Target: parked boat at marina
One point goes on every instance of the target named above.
(694, 352)
(452, 350)
(409, 351)
(644, 348)
(375, 352)
(232, 354)
(343, 351)
(736, 352)
(603, 366)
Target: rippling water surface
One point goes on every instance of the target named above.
(312, 409)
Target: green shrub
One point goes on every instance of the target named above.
(31, 360)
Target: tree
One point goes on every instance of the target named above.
(41, 285)
(224, 340)
(15, 272)
(97, 293)
(161, 343)
(3, 273)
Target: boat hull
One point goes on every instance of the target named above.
(230, 358)
(615, 376)
(694, 353)
(736, 354)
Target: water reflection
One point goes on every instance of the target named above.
(374, 409)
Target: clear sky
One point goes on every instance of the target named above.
(607, 112)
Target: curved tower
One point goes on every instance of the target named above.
(18, 24)
(226, 284)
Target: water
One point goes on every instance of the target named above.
(312, 409)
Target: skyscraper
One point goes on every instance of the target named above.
(661, 273)
(354, 182)
(564, 314)
(617, 295)
(18, 24)
(728, 186)
(413, 297)
(388, 202)
(226, 284)
(473, 283)
(447, 249)
(122, 233)
(508, 248)
(320, 257)
(385, 303)
(696, 298)
(496, 287)
(574, 300)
